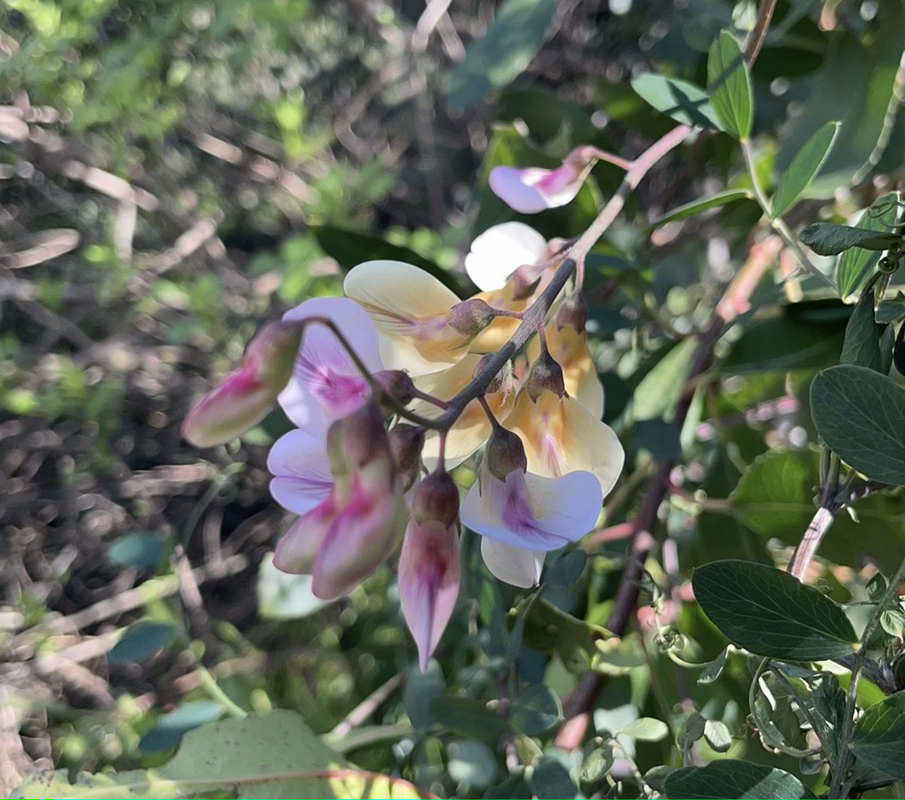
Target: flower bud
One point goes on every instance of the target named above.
(501, 382)
(573, 312)
(397, 384)
(504, 453)
(523, 282)
(364, 439)
(470, 317)
(406, 443)
(545, 375)
(246, 396)
(436, 499)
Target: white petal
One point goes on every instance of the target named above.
(298, 462)
(513, 565)
(569, 505)
(501, 250)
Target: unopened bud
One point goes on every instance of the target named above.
(471, 317)
(502, 381)
(545, 376)
(364, 437)
(271, 354)
(406, 443)
(505, 453)
(397, 384)
(573, 313)
(436, 498)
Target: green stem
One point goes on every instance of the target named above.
(210, 684)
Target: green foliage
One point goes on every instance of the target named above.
(729, 85)
(804, 168)
(730, 778)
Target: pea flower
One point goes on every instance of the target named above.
(500, 251)
(534, 189)
(422, 326)
(525, 514)
(429, 567)
(326, 385)
(347, 535)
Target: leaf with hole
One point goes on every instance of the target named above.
(770, 613)
(729, 85)
(806, 164)
(861, 416)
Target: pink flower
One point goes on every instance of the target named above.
(325, 384)
(535, 189)
(347, 535)
(246, 396)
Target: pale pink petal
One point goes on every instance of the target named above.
(533, 512)
(233, 407)
(326, 384)
(501, 250)
(298, 461)
(513, 565)
(428, 582)
(534, 189)
(297, 549)
(360, 538)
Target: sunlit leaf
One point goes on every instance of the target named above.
(681, 100)
(730, 86)
(806, 164)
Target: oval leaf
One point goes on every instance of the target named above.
(732, 778)
(879, 736)
(803, 168)
(681, 100)
(861, 345)
(828, 239)
(730, 86)
(770, 613)
(536, 710)
(855, 264)
(645, 729)
(141, 640)
(861, 416)
(498, 57)
(142, 550)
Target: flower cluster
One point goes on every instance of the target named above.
(389, 389)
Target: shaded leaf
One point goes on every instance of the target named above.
(861, 416)
(551, 780)
(770, 613)
(730, 86)
(141, 641)
(829, 239)
(861, 345)
(681, 100)
(169, 729)
(691, 730)
(420, 689)
(890, 310)
(696, 207)
(659, 437)
(502, 53)
(471, 763)
(855, 263)
(536, 710)
(658, 391)
(142, 550)
(732, 778)
(597, 764)
(879, 736)
(806, 164)
(467, 717)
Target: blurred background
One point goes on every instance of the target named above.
(174, 173)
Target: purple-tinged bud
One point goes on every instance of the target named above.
(436, 499)
(364, 437)
(523, 281)
(505, 453)
(470, 317)
(573, 312)
(500, 382)
(242, 399)
(545, 376)
(397, 384)
(406, 443)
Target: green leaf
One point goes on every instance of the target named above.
(169, 729)
(645, 729)
(502, 53)
(714, 669)
(828, 239)
(861, 345)
(659, 437)
(551, 630)
(729, 85)
(783, 343)
(351, 248)
(282, 595)
(420, 689)
(855, 263)
(861, 416)
(737, 779)
(681, 100)
(467, 717)
(691, 730)
(717, 735)
(829, 703)
(891, 310)
(658, 391)
(142, 640)
(272, 755)
(879, 736)
(770, 613)
(142, 550)
(472, 764)
(536, 710)
(551, 780)
(696, 207)
(597, 764)
(804, 167)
